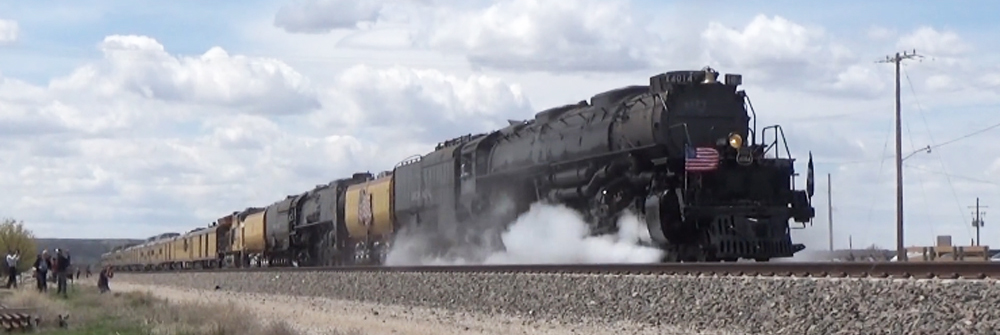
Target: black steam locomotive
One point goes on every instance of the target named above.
(675, 151)
(682, 152)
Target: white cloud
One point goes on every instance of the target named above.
(322, 16)
(9, 31)
(429, 105)
(555, 36)
(931, 41)
(576, 35)
(778, 51)
(764, 42)
(140, 66)
(383, 38)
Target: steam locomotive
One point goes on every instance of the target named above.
(682, 152)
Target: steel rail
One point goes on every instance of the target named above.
(967, 270)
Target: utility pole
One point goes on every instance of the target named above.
(829, 207)
(900, 252)
(977, 218)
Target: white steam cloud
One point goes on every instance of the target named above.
(545, 234)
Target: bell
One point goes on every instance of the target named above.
(710, 75)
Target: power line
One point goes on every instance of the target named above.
(884, 157)
(967, 135)
(881, 165)
(972, 179)
(930, 136)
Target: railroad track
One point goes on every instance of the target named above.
(945, 270)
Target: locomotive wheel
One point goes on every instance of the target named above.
(670, 257)
(324, 254)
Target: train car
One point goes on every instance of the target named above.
(204, 246)
(279, 218)
(224, 238)
(196, 249)
(369, 219)
(180, 254)
(141, 257)
(247, 238)
(161, 253)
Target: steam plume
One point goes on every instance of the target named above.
(545, 234)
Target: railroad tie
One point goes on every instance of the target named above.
(16, 319)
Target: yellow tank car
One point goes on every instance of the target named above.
(246, 237)
(368, 208)
(253, 233)
(368, 216)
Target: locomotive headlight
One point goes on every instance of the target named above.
(735, 141)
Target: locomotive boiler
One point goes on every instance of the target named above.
(683, 153)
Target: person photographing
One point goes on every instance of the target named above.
(62, 269)
(12, 258)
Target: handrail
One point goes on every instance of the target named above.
(408, 160)
(753, 113)
(778, 132)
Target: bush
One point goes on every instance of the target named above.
(13, 236)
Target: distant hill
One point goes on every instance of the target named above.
(83, 251)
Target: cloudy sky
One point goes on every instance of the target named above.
(128, 119)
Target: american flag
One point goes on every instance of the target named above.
(701, 159)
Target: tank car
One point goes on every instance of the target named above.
(674, 151)
(369, 220)
(243, 236)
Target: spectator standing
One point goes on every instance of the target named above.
(12, 258)
(62, 269)
(42, 265)
(104, 278)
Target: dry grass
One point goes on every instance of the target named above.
(142, 313)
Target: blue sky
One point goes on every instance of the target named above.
(208, 142)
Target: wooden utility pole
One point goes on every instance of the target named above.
(829, 207)
(977, 218)
(900, 251)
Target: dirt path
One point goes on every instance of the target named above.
(313, 315)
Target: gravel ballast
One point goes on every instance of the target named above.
(739, 304)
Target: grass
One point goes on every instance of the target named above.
(133, 313)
